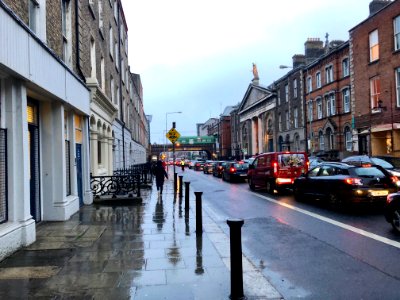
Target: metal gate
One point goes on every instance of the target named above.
(33, 137)
(79, 172)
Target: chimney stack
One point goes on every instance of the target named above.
(377, 5)
(313, 48)
(298, 60)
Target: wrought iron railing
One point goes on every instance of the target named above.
(143, 170)
(114, 186)
(3, 176)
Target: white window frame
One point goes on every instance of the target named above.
(287, 92)
(318, 79)
(348, 139)
(397, 75)
(346, 100)
(112, 90)
(328, 74)
(310, 110)
(346, 67)
(374, 45)
(287, 120)
(93, 63)
(319, 108)
(111, 46)
(101, 22)
(66, 31)
(280, 122)
(296, 117)
(375, 91)
(33, 15)
(294, 88)
(116, 55)
(321, 141)
(396, 33)
(103, 74)
(309, 84)
(332, 104)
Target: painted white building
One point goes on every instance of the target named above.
(44, 150)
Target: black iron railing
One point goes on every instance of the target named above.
(3, 176)
(114, 186)
(143, 170)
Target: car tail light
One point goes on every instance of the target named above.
(353, 181)
(232, 170)
(394, 179)
(275, 167)
(220, 167)
(284, 180)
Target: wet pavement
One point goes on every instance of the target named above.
(147, 250)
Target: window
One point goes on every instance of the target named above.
(321, 141)
(78, 129)
(296, 117)
(373, 46)
(329, 134)
(397, 87)
(375, 91)
(278, 98)
(33, 15)
(318, 79)
(286, 92)
(66, 31)
(330, 105)
(309, 84)
(319, 108)
(115, 10)
(110, 35)
(112, 90)
(310, 110)
(93, 58)
(396, 25)
(348, 139)
(328, 74)
(116, 55)
(101, 23)
(346, 100)
(294, 88)
(103, 74)
(287, 120)
(67, 155)
(345, 67)
(280, 122)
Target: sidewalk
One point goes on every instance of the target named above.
(139, 251)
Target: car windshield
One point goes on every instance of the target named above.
(382, 163)
(369, 172)
(291, 160)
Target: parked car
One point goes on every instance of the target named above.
(276, 170)
(235, 171)
(199, 164)
(392, 210)
(208, 167)
(375, 160)
(218, 168)
(342, 183)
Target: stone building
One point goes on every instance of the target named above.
(375, 80)
(44, 112)
(328, 103)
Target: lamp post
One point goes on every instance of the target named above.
(166, 125)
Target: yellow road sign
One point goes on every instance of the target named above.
(173, 135)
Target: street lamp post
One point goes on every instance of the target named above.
(166, 126)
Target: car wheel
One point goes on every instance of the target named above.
(395, 219)
(270, 187)
(251, 184)
(334, 200)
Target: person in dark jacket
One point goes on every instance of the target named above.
(160, 174)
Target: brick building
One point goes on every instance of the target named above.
(375, 82)
(327, 96)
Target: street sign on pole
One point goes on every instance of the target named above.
(173, 135)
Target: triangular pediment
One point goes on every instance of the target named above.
(254, 95)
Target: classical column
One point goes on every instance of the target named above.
(93, 152)
(110, 156)
(260, 136)
(254, 137)
(104, 153)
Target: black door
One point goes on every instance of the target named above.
(34, 175)
(79, 172)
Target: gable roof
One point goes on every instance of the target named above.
(255, 94)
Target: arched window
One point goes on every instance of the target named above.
(296, 142)
(280, 141)
(329, 135)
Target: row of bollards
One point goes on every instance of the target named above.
(235, 226)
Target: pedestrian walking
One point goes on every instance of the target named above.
(160, 174)
(183, 165)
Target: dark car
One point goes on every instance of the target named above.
(383, 161)
(208, 167)
(199, 164)
(314, 161)
(392, 210)
(341, 183)
(218, 168)
(235, 171)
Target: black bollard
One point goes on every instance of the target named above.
(199, 217)
(175, 182)
(180, 186)
(235, 226)
(199, 256)
(187, 188)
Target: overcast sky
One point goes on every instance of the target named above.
(196, 56)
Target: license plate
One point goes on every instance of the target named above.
(379, 193)
(243, 174)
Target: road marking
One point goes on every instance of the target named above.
(333, 222)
